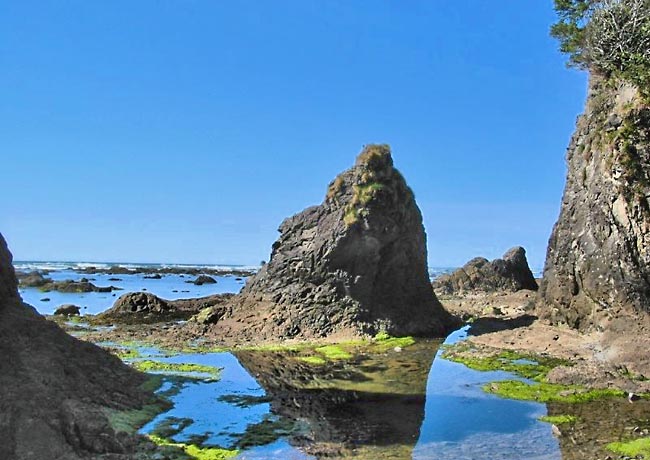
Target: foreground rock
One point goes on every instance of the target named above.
(143, 307)
(57, 390)
(597, 273)
(354, 265)
(510, 273)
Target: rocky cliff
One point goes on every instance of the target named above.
(56, 391)
(510, 273)
(355, 265)
(597, 272)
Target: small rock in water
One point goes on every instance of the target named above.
(45, 299)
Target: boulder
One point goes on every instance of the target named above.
(145, 307)
(140, 302)
(353, 266)
(510, 273)
(32, 279)
(56, 389)
(202, 279)
(67, 310)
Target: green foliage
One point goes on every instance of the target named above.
(610, 37)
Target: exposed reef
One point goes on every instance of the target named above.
(354, 265)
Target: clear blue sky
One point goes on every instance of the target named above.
(187, 130)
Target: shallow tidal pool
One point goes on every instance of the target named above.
(405, 403)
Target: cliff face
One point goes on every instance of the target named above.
(56, 389)
(510, 273)
(598, 261)
(354, 265)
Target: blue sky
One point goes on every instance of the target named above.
(186, 131)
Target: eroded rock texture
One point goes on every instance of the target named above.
(56, 391)
(354, 265)
(598, 262)
(510, 273)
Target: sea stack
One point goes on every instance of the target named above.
(355, 265)
(597, 272)
(57, 392)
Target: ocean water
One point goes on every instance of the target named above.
(170, 286)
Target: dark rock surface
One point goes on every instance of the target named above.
(67, 310)
(55, 388)
(32, 279)
(75, 286)
(136, 307)
(510, 273)
(202, 279)
(597, 269)
(355, 265)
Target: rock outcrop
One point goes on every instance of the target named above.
(56, 390)
(143, 307)
(355, 265)
(597, 270)
(67, 310)
(510, 273)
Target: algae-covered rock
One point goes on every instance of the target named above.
(356, 264)
(510, 273)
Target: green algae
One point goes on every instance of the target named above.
(549, 392)
(194, 451)
(638, 448)
(333, 352)
(534, 367)
(269, 430)
(558, 419)
(244, 400)
(314, 360)
(176, 368)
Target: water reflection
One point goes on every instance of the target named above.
(369, 407)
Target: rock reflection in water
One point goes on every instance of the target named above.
(371, 406)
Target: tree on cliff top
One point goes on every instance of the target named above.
(608, 37)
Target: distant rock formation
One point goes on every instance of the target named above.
(355, 265)
(56, 390)
(67, 310)
(598, 261)
(510, 273)
(202, 279)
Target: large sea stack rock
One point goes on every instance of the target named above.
(355, 265)
(56, 391)
(510, 273)
(597, 270)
